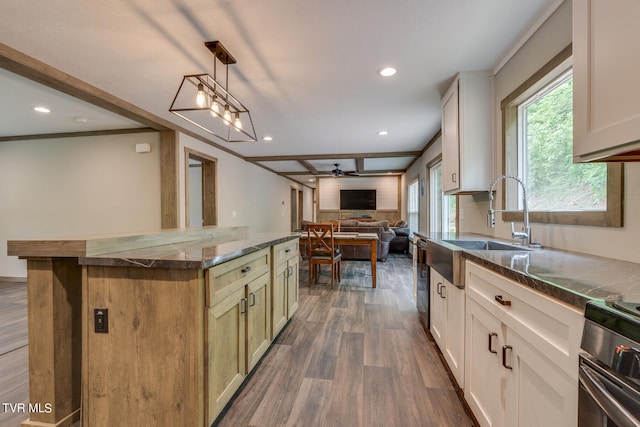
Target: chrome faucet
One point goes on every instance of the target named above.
(525, 234)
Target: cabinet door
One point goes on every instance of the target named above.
(538, 392)
(606, 111)
(293, 278)
(437, 309)
(450, 140)
(226, 326)
(279, 289)
(258, 319)
(483, 369)
(454, 337)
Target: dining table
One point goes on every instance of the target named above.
(355, 238)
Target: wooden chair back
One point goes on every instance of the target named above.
(320, 239)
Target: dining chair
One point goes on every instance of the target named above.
(321, 249)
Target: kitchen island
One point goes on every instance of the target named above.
(156, 328)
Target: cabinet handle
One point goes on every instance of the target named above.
(443, 293)
(502, 301)
(491, 335)
(286, 251)
(439, 288)
(243, 305)
(246, 270)
(253, 299)
(289, 271)
(454, 177)
(504, 356)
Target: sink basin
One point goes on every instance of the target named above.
(445, 256)
(486, 245)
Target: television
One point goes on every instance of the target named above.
(358, 199)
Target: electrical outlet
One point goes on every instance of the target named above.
(101, 320)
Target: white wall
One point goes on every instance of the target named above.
(260, 199)
(76, 186)
(83, 186)
(386, 190)
(419, 170)
(620, 243)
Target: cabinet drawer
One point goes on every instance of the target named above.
(284, 251)
(548, 324)
(224, 279)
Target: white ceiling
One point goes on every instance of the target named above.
(307, 70)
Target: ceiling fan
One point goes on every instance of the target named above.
(339, 172)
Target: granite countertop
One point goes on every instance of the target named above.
(572, 277)
(191, 248)
(201, 254)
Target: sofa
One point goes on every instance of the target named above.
(381, 228)
(401, 242)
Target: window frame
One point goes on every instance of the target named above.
(611, 217)
(415, 182)
(441, 219)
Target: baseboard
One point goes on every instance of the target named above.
(13, 279)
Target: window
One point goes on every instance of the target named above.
(538, 137)
(413, 206)
(443, 209)
(545, 144)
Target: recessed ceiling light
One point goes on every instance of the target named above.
(387, 71)
(383, 132)
(267, 138)
(41, 109)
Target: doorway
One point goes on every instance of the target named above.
(200, 189)
(294, 209)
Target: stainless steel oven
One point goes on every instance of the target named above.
(609, 367)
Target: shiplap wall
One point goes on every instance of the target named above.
(386, 194)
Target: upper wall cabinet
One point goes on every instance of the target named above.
(606, 122)
(467, 133)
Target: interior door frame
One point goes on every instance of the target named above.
(209, 186)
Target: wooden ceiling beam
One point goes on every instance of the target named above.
(333, 156)
(309, 167)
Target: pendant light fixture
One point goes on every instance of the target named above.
(200, 98)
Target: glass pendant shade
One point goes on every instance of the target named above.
(201, 98)
(237, 123)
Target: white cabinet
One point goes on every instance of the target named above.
(483, 373)
(606, 117)
(537, 391)
(521, 354)
(467, 124)
(447, 322)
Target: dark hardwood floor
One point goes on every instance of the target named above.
(351, 356)
(14, 357)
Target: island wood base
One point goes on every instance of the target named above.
(54, 303)
(159, 362)
(148, 370)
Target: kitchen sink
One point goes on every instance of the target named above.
(485, 245)
(445, 256)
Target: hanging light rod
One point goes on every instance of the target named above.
(220, 52)
(205, 101)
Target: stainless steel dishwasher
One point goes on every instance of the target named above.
(422, 282)
(609, 367)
